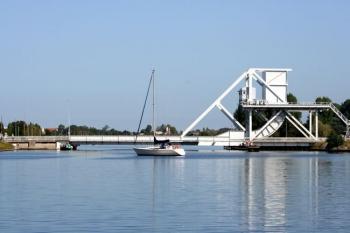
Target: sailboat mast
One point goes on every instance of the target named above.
(153, 121)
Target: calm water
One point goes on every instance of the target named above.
(112, 190)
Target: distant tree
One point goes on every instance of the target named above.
(239, 115)
(61, 129)
(85, 130)
(334, 140)
(222, 130)
(2, 129)
(345, 108)
(147, 130)
(105, 128)
(21, 128)
(16, 128)
(323, 99)
(207, 132)
(33, 129)
(324, 130)
(167, 128)
(328, 117)
(337, 125)
(325, 116)
(293, 99)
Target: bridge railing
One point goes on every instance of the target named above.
(13, 139)
(264, 102)
(339, 114)
(119, 139)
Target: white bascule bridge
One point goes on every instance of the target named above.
(259, 89)
(273, 97)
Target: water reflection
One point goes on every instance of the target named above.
(276, 191)
(116, 191)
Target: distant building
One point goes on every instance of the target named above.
(159, 133)
(50, 131)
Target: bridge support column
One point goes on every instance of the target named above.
(316, 125)
(58, 145)
(310, 122)
(249, 124)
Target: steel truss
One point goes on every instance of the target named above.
(282, 110)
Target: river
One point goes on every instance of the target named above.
(110, 189)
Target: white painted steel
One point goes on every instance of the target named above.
(248, 94)
(270, 127)
(265, 85)
(230, 116)
(217, 101)
(301, 125)
(316, 125)
(297, 127)
(277, 81)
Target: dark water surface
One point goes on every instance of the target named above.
(114, 191)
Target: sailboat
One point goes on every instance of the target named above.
(160, 147)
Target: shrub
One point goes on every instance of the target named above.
(334, 140)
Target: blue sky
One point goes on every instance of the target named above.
(95, 57)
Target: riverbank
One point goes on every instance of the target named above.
(5, 146)
(322, 146)
(318, 146)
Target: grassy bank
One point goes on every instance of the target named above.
(5, 146)
(345, 146)
(323, 146)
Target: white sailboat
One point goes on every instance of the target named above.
(168, 150)
(160, 147)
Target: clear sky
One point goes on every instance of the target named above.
(95, 57)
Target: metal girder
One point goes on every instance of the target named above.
(230, 116)
(301, 125)
(297, 127)
(248, 76)
(261, 115)
(267, 124)
(214, 104)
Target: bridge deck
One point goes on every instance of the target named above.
(125, 140)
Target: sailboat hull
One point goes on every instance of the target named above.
(156, 151)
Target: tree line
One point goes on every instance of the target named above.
(22, 128)
(329, 124)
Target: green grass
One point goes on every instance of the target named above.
(5, 146)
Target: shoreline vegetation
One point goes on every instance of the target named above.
(5, 146)
(323, 146)
(330, 127)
